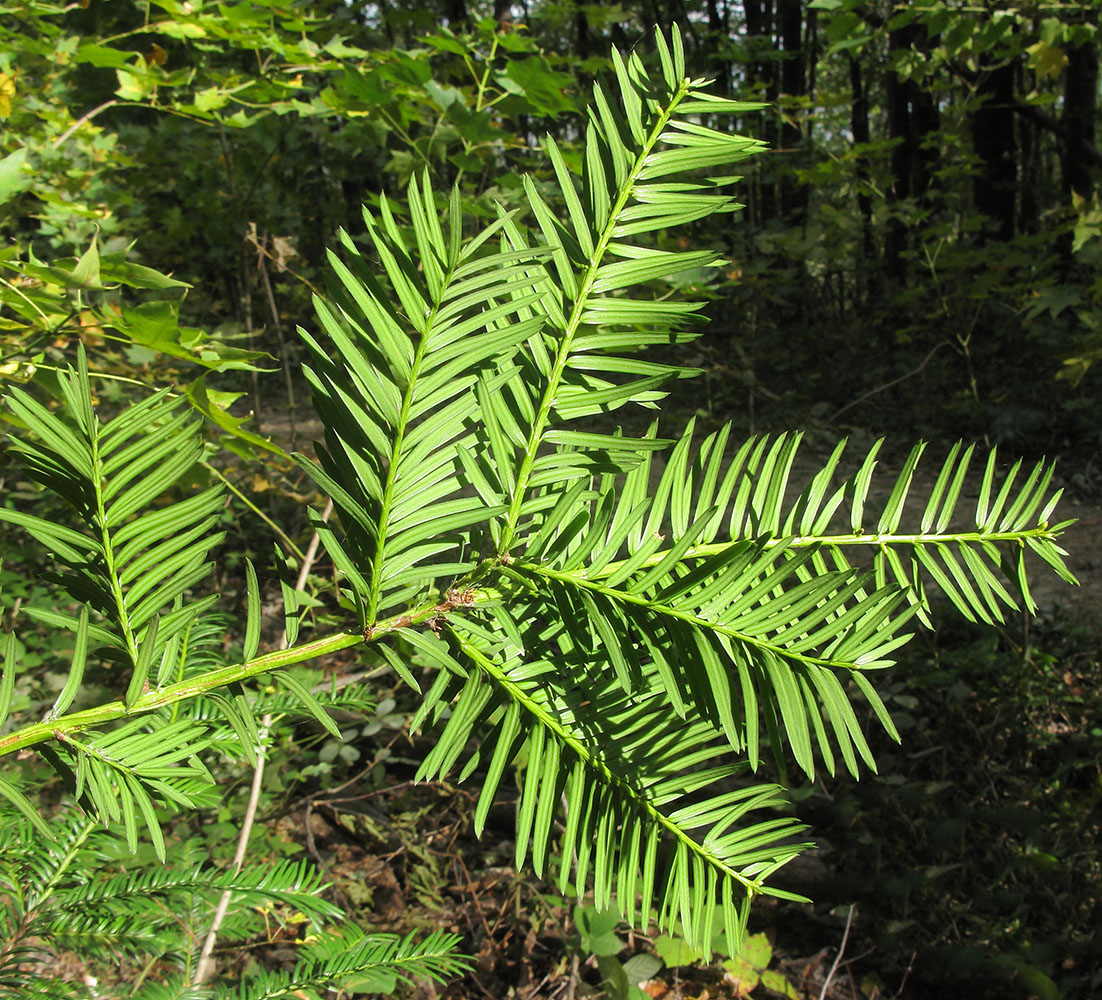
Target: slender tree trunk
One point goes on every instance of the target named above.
(581, 31)
(996, 186)
(1029, 211)
(859, 125)
(1080, 93)
(763, 78)
(717, 43)
(912, 115)
(793, 84)
(811, 48)
(384, 14)
(899, 129)
(680, 16)
(456, 13)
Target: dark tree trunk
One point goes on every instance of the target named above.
(811, 47)
(996, 186)
(1031, 179)
(1080, 93)
(763, 80)
(718, 37)
(581, 29)
(759, 32)
(793, 78)
(677, 14)
(456, 13)
(912, 115)
(899, 129)
(859, 124)
(793, 84)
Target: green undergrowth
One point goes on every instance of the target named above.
(985, 877)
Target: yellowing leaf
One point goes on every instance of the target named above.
(1046, 60)
(211, 99)
(90, 324)
(757, 950)
(131, 86)
(179, 29)
(741, 975)
(17, 371)
(7, 94)
(675, 951)
(776, 982)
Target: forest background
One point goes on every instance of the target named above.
(919, 257)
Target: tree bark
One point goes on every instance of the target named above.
(859, 125)
(811, 48)
(1080, 92)
(456, 13)
(1029, 136)
(581, 29)
(763, 80)
(718, 30)
(793, 84)
(995, 188)
(912, 115)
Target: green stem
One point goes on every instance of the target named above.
(481, 83)
(831, 541)
(66, 860)
(169, 695)
(567, 738)
(125, 379)
(622, 597)
(192, 687)
(117, 594)
(34, 305)
(396, 451)
(539, 424)
(403, 135)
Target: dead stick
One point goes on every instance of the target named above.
(838, 957)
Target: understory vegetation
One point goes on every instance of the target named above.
(411, 582)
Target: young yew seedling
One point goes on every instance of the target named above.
(644, 638)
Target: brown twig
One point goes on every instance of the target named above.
(312, 848)
(477, 899)
(531, 994)
(86, 117)
(572, 981)
(361, 796)
(906, 973)
(895, 381)
(838, 957)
